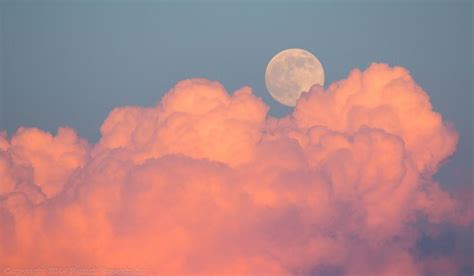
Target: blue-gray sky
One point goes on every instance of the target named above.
(70, 63)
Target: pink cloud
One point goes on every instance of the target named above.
(207, 183)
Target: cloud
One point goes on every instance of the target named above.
(207, 183)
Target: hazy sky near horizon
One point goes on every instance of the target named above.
(70, 64)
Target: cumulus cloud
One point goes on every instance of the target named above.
(207, 183)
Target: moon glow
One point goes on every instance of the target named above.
(292, 72)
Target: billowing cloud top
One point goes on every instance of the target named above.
(206, 183)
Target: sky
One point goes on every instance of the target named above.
(70, 64)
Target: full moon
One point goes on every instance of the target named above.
(292, 72)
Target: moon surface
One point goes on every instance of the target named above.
(292, 72)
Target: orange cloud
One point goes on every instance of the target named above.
(207, 183)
